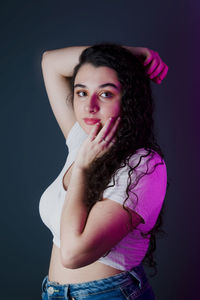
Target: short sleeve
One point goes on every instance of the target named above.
(76, 137)
(150, 189)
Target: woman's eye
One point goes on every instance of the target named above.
(106, 94)
(81, 93)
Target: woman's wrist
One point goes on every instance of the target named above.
(77, 168)
(137, 51)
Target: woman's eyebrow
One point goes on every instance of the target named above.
(109, 84)
(80, 85)
(101, 86)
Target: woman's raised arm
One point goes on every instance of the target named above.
(57, 67)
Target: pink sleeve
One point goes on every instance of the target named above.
(150, 189)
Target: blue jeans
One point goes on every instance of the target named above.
(131, 284)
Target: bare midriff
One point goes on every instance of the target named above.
(95, 271)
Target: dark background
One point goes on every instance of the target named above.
(33, 149)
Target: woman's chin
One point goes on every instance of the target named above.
(87, 128)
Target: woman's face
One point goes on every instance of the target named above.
(97, 95)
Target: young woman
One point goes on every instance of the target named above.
(105, 206)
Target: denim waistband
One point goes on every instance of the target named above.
(136, 274)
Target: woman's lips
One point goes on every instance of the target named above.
(91, 121)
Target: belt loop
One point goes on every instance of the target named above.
(137, 272)
(44, 282)
(66, 292)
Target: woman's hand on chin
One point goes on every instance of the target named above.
(97, 143)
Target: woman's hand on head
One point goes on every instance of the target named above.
(156, 69)
(97, 143)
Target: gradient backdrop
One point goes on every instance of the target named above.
(33, 149)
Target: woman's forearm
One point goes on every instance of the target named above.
(74, 213)
(138, 51)
(64, 60)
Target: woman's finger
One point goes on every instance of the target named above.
(108, 146)
(157, 71)
(153, 65)
(94, 131)
(104, 130)
(108, 133)
(111, 133)
(164, 72)
(158, 79)
(148, 59)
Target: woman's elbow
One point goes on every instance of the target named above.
(45, 54)
(67, 259)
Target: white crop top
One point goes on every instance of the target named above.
(151, 189)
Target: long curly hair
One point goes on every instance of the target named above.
(135, 131)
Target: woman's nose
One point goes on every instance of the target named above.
(92, 104)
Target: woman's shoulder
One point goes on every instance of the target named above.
(143, 157)
(76, 136)
(141, 160)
